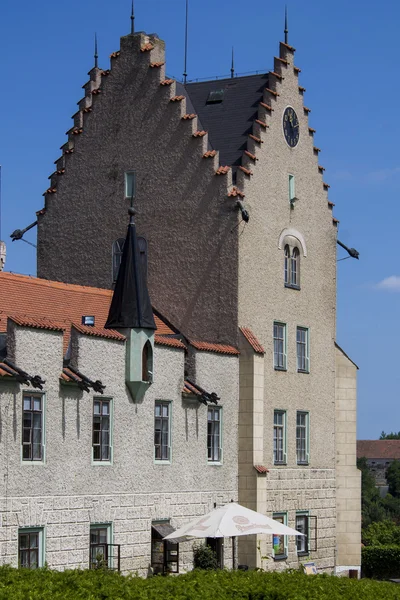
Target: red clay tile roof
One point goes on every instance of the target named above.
(266, 106)
(255, 138)
(246, 171)
(250, 155)
(188, 388)
(167, 82)
(156, 64)
(261, 469)
(271, 92)
(110, 334)
(277, 75)
(288, 47)
(282, 60)
(164, 340)
(189, 116)
(42, 301)
(199, 133)
(210, 154)
(261, 123)
(378, 449)
(115, 54)
(210, 347)
(177, 98)
(222, 170)
(147, 47)
(24, 321)
(253, 341)
(235, 192)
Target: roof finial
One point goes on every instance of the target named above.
(186, 43)
(233, 65)
(286, 31)
(96, 56)
(132, 20)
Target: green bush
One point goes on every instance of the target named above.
(381, 562)
(384, 533)
(22, 584)
(204, 557)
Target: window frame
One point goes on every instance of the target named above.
(110, 535)
(277, 516)
(306, 428)
(40, 532)
(277, 367)
(292, 254)
(300, 538)
(306, 345)
(282, 426)
(215, 410)
(127, 174)
(42, 397)
(107, 461)
(168, 460)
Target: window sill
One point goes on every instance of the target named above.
(280, 464)
(302, 371)
(33, 462)
(305, 553)
(292, 287)
(161, 462)
(102, 463)
(280, 369)
(214, 463)
(303, 464)
(280, 557)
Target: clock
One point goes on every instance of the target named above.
(291, 127)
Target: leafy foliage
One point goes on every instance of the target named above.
(393, 478)
(372, 507)
(390, 436)
(204, 557)
(22, 584)
(381, 562)
(384, 533)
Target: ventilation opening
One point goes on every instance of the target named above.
(215, 97)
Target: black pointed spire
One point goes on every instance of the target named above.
(96, 56)
(286, 31)
(130, 305)
(186, 43)
(233, 65)
(132, 20)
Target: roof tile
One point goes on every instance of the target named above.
(253, 341)
(210, 347)
(235, 192)
(261, 469)
(164, 340)
(110, 334)
(378, 449)
(222, 170)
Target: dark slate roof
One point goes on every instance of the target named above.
(228, 123)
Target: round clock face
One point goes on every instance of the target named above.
(291, 127)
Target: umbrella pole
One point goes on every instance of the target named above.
(233, 552)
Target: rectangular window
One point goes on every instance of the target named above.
(162, 430)
(30, 548)
(302, 525)
(279, 437)
(32, 427)
(214, 434)
(100, 541)
(302, 438)
(280, 346)
(291, 188)
(130, 184)
(164, 553)
(279, 542)
(102, 449)
(302, 340)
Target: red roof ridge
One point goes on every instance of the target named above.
(214, 347)
(253, 341)
(99, 332)
(166, 340)
(378, 449)
(37, 323)
(54, 284)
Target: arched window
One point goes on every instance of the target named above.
(295, 268)
(117, 250)
(147, 362)
(287, 266)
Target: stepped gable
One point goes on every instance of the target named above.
(228, 122)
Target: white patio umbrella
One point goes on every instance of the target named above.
(231, 520)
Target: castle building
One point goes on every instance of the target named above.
(239, 241)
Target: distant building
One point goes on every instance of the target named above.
(379, 454)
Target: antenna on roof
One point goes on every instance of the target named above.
(132, 20)
(233, 65)
(186, 43)
(286, 31)
(96, 56)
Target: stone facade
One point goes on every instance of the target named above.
(211, 273)
(68, 492)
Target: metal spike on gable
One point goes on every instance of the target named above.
(132, 19)
(96, 56)
(233, 65)
(186, 43)
(286, 31)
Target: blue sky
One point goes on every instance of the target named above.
(349, 56)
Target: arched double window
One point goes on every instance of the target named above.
(292, 266)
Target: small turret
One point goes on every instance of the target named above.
(131, 312)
